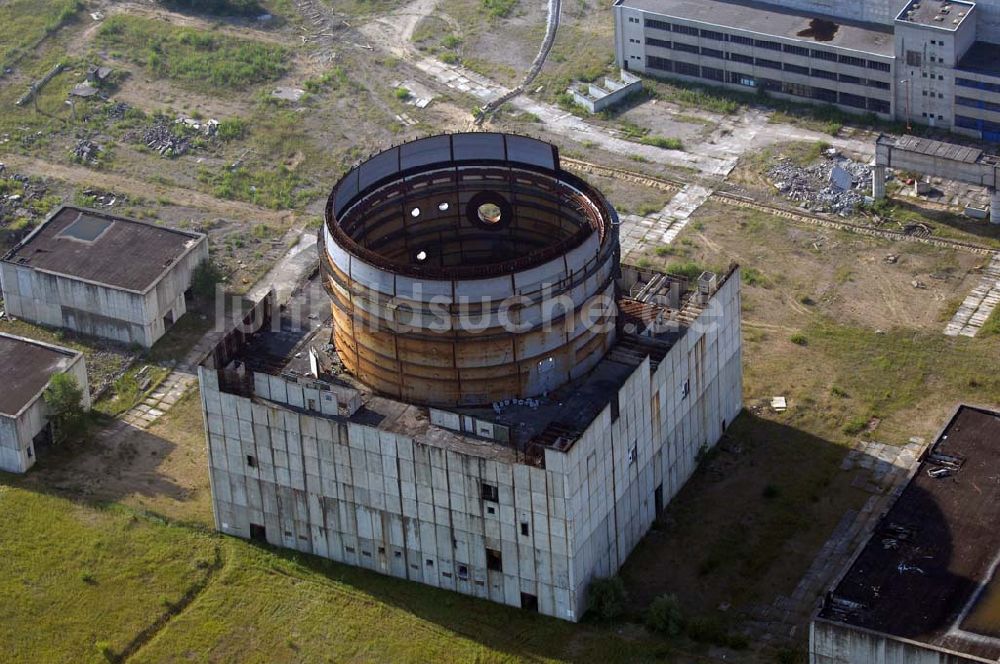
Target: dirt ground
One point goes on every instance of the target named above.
(806, 270)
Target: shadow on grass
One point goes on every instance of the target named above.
(766, 488)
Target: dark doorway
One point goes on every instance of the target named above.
(494, 561)
(42, 442)
(529, 602)
(168, 320)
(258, 533)
(658, 499)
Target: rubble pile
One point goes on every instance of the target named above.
(87, 152)
(18, 194)
(101, 198)
(117, 111)
(835, 184)
(160, 138)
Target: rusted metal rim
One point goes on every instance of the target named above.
(582, 204)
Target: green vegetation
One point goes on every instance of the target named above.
(689, 269)
(799, 339)
(401, 93)
(78, 581)
(195, 58)
(606, 597)
(131, 388)
(664, 616)
(751, 276)
(663, 142)
(64, 402)
(23, 23)
(991, 327)
(277, 188)
(499, 8)
(232, 129)
(218, 7)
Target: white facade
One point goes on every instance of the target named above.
(18, 430)
(467, 516)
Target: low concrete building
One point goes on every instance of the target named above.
(924, 589)
(102, 275)
(26, 368)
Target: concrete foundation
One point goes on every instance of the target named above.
(994, 206)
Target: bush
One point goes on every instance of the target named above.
(606, 597)
(855, 425)
(204, 280)
(64, 402)
(499, 8)
(232, 129)
(799, 339)
(663, 142)
(664, 616)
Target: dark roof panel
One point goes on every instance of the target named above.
(104, 249)
(25, 369)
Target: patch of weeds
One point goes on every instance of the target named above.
(799, 339)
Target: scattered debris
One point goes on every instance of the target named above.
(85, 89)
(779, 404)
(836, 184)
(105, 198)
(891, 259)
(117, 111)
(919, 285)
(87, 152)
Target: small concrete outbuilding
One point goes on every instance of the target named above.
(102, 275)
(26, 368)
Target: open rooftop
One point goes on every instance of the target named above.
(649, 330)
(945, 14)
(26, 366)
(928, 572)
(768, 20)
(93, 246)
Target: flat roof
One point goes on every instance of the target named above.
(26, 366)
(103, 249)
(981, 58)
(776, 21)
(556, 421)
(944, 14)
(928, 572)
(938, 149)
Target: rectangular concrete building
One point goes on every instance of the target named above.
(931, 62)
(523, 503)
(26, 368)
(924, 589)
(102, 275)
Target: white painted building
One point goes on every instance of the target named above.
(102, 275)
(26, 368)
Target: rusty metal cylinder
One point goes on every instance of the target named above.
(466, 269)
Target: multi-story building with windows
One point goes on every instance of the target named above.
(927, 61)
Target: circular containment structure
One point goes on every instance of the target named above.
(466, 269)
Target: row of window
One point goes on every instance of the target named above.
(771, 85)
(977, 124)
(765, 44)
(979, 85)
(978, 103)
(767, 63)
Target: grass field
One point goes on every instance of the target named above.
(196, 58)
(23, 23)
(115, 581)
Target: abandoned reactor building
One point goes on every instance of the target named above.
(497, 405)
